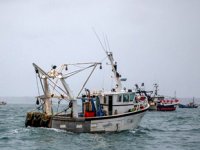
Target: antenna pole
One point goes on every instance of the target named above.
(99, 40)
(156, 89)
(117, 76)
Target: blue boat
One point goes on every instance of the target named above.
(190, 105)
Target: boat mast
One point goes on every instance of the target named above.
(51, 79)
(47, 95)
(174, 94)
(46, 99)
(71, 97)
(156, 89)
(117, 76)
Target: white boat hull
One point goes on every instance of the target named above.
(113, 123)
(116, 124)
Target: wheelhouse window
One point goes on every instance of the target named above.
(104, 100)
(119, 99)
(125, 98)
(132, 97)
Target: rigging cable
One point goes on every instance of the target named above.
(87, 80)
(77, 71)
(65, 110)
(37, 84)
(99, 40)
(41, 106)
(41, 82)
(108, 43)
(61, 68)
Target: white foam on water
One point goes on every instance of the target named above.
(56, 130)
(132, 131)
(18, 131)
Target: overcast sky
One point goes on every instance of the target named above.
(153, 41)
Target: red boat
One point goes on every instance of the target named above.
(167, 105)
(158, 102)
(161, 103)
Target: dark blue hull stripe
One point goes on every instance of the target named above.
(115, 116)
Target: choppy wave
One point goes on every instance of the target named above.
(157, 130)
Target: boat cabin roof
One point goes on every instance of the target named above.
(117, 93)
(105, 93)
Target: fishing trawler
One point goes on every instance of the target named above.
(160, 102)
(101, 111)
(151, 100)
(167, 104)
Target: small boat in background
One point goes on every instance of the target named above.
(167, 104)
(190, 105)
(161, 103)
(2, 103)
(157, 102)
(142, 92)
(153, 102)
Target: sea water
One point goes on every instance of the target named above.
(175, 130)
